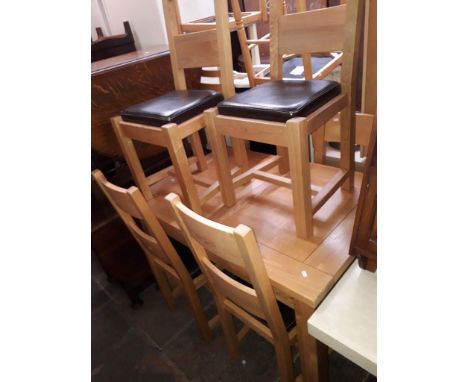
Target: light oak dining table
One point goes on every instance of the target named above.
(302, 272)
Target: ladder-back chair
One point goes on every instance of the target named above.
(162, 257)
(167, 120)
(255, 77)
(252, 301)
(286, 113)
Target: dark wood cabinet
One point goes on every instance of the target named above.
(364, 238)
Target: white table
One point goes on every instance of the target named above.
(346, 320)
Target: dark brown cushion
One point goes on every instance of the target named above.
(174, 107)
(280, 100)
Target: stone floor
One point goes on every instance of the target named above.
(154, 344)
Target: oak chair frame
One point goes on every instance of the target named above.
(215, 244)
(364, 120)
(244, 19)
(248, 44)
(331, 133)
(161, 255)
(329, 27)
(188, 50)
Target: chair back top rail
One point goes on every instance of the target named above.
(211, 242)
(316, 31)
(142, 223)
(210, 47)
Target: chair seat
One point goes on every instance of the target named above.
(280, 100)
(187, 258)
(175, 107)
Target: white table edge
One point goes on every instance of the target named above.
(367, 361)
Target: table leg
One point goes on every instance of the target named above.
(313, 354)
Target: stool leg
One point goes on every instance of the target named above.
(197, 148)
(181, 167)
(296, 131)
(218, 146)
(318, 141)
(284, 161)
(240, 153)
(347, 138)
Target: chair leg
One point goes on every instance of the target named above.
(181, 166)
(348, 137)
(131, 156)
(239, 147)
(284, 159)
(220, 155)
(284, 361)
(229, 330)
(164, 287)
(197, 148)
(298, 150)
(318, 141)
(198, 313)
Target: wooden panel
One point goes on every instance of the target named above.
(363, 129)
(369, 91)
(221, 240)
(197, 49)
(252, 129)
(364, 238)
(325, 25)
(122, 83)
(122, 199)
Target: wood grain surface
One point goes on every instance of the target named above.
(126, 84)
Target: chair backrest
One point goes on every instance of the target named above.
(210, 47)
(317, 31)
(136, 213)
(215, 245)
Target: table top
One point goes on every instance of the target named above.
(346, 320)
(112, 63)
(303, 270)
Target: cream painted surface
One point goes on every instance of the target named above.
(346, 320)
(98, 19)
(195, 9)
(145, 16)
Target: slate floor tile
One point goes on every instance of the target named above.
(155, 344)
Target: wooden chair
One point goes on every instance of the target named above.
(167, 120)
(111, 46)
(251, 301)
(259, 77)
(364, 120)
(285, 113)
(162, 257)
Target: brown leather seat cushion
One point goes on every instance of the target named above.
(174, 107)
(280, 100)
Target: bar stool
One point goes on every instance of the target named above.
(285, 113)
(169, 119)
